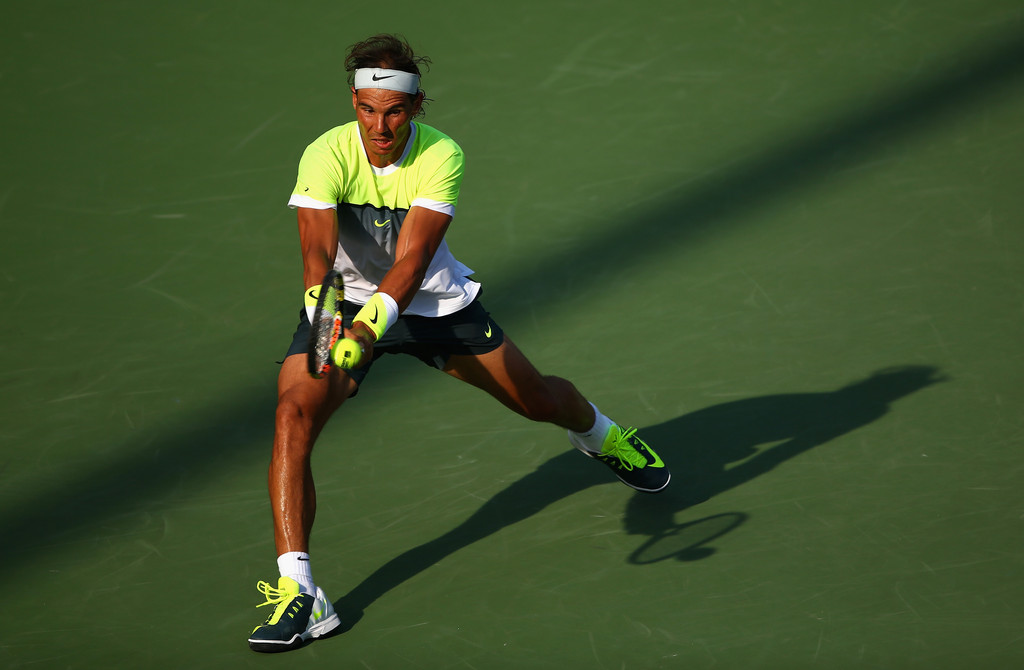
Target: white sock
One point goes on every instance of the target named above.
(295, 564)
(593, 439)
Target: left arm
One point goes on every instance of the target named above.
(421, 235)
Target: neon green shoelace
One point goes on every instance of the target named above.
(621, 449)
(274, 595)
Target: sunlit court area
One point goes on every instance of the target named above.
(783, 240)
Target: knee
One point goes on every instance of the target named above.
(540, 409)
(291, 414)
(545, 404)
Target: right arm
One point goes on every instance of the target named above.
(318, 237)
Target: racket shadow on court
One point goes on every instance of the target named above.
(724, 446)
(697, 446)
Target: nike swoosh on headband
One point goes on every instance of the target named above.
(392, 80)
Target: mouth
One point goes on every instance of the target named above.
(382, 142)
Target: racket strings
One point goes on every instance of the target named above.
(326, 326)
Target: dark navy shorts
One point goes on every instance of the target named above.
(432, 339)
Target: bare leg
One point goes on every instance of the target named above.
(507, 375)
(303, 406)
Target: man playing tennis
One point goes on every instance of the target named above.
(374, 198)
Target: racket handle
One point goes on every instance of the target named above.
(347, 353)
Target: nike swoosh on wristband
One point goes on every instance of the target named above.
(374, 319)
(376, 78)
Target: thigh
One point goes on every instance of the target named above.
(505, 373)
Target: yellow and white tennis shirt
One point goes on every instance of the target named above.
(372, 202)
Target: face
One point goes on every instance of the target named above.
(384, 117)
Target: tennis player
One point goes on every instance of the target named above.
(374, 198)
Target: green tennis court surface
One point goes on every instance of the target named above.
(782, 239)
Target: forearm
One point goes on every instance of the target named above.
(318, 239)
(403, 280)
(422, 233)
(400, 284)
(315, 265)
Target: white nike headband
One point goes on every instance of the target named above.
(392, 80)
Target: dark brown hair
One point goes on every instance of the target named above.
(386, 51)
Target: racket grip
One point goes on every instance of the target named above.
(347, 353)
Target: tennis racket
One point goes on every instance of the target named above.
(326, 327)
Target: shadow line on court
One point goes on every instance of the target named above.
(703, 207)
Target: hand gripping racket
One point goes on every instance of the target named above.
(326, 345)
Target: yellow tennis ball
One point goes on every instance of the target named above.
(347, 354)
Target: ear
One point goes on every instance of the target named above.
(354, 97)
(417, 103)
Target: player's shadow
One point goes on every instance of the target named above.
(698, 447)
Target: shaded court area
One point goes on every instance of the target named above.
(782, 241)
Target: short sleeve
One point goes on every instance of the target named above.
(320, 181)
